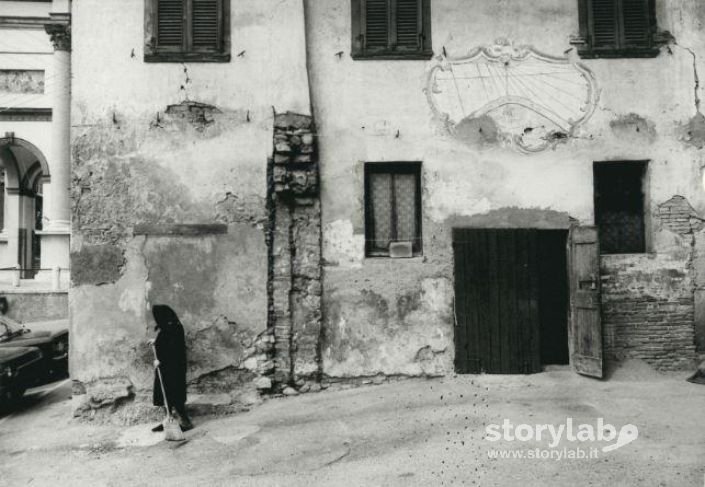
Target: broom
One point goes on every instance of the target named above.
(172, 430)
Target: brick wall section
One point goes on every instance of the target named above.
(648, 310)
(679, 217)
(296, 250)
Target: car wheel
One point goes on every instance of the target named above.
(9, 399)
(13, 395)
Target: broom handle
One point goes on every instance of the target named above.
(161, 382)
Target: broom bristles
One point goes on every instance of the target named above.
(172, 430)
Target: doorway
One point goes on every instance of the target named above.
(511, 300)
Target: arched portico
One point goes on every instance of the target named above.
(25, 169)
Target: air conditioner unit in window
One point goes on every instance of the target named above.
(400, 250)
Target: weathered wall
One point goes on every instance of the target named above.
(647, 109)
(27, 306)
(169, 190)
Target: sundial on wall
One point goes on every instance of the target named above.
(532, 100)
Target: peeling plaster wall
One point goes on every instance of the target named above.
(377, 111)
(169, 190)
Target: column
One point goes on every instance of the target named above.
(56, 233)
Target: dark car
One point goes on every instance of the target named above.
(19, 367)
(54, 347)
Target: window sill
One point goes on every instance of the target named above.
(187, 57)
(619, 53)
(380, 256)
(626, 254)
(393, 56)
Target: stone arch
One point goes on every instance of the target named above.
(9, 142)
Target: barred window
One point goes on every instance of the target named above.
(619, 206)
(187, 30)
(392, 207)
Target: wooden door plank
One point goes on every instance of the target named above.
(534, 332)
(461, 365)
(483, 299)
(493, 323)
(474, 282)
(522, 300)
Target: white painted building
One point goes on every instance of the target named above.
(35, 67)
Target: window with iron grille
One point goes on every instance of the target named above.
(619, 206)
(187, 30)
(392, 207)
(617, 28)
(391, 29)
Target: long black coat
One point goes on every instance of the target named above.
(171, 352)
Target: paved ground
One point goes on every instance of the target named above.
(416, 432)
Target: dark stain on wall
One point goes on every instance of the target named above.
(97, 264)
(513, 217)
(633, 126)
(693, 132)
(477, 131)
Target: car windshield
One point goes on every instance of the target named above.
(5, 332)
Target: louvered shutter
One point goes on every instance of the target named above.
(170, 23)
(376, 24)
(604, 24)
(205, 24)
(635, 18)
(408, 23)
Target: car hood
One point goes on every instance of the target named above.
(11, 353)
(33, 339)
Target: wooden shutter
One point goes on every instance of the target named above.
(604, 16)
(205, 24)
(408, 23)
(635, 19)
(170, 23)
(377, 24)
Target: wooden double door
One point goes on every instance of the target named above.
(525, 298)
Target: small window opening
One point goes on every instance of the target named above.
(392, 207)
(619, 206)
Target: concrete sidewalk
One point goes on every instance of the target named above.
(415, 432)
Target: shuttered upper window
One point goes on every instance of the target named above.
(391, 29)
(187, 30)
(617, 28)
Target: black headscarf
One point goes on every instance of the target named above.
(171, 352)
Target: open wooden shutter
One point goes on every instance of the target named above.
(170, 23)
(635, 19)
(408, 24)
(604, 24)
(205, 24)
(585, 320)
(377, 24)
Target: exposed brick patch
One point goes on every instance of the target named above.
(295, 164)
(648, 310)
(295, 229)
(679, 217)
(200, 115)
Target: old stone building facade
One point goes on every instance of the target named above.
(342, 189)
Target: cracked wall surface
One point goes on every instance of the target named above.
(210, 187)
(169, 200)
(377, 112)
